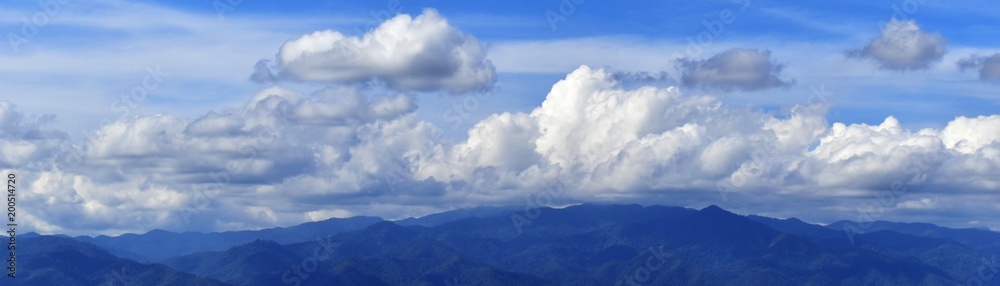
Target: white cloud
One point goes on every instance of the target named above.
(162, 169)
(609, 138)
(971, 135)
(423, 53)
(744, 69)
(73, 203)
(863, 156)
(612, 143)
(502, 140)
(903, 46)
(287, 157)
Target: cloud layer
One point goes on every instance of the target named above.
(424, 53)
(285, 157)
(903, 46)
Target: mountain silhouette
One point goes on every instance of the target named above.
(587, 244)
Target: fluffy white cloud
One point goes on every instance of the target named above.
(608, 138)
(862, 156)
(70, 203)
(422, 53)
(207, 172)
(971, 135)
(744, 69)
(606, 142)
(288, 157)
(987, 66)
(502, 140)
(903, 46)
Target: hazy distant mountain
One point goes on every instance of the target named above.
(157, 245)
(457, 214)
(978, 238)
(240, 265)
(579, 245)
(51, 260)
(383, 254)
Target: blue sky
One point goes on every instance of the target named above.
(105, 101)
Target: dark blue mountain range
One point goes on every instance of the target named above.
(578, 245)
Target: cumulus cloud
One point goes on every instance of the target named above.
(265, 136)
(972, 135)
(206, 172)
(742, 69)
(286, 157)
(502, 140)
(987, 66)
(862, 156)
(902, 46)
(423, 53)
(22, 139)
(615, 141)
(610, 143)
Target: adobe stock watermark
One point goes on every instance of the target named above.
(453, 282)
(818, 98)
(756, 167)
(300, 272)
(32, 25)
(395, 179)
(903, 11)
(714, 28)
(71, 155)
(377, 17)
(534, 204)
(221, 179)
(126, 103)
(656, 260)
(987, 271)
(886, 199)
(117, 277)
(562, 12)
(456, 114)
(222, 7)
